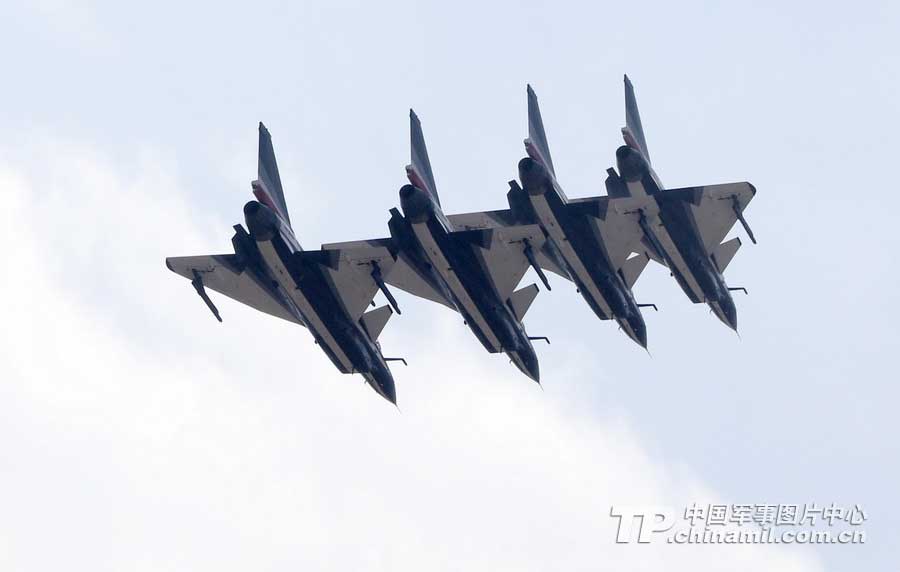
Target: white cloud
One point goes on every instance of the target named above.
(140, 434)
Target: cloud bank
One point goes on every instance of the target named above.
(139, 434)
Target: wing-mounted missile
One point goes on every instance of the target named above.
(736, 205)
(529, 254)
(379, 281)
(197, 283)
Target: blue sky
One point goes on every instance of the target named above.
(129, 135)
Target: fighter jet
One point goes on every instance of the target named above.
(473, 271)
(589, 241)
(684, 228)
(327, 290)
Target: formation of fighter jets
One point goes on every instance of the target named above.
(473, 262)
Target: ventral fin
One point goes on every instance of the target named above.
(375, 320)
(520, 300)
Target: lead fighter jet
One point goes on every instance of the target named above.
(473, 271)
(684, 228)
(327, 290)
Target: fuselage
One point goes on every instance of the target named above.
(461, 274)
(676, 240)
(306, 290)
(582, 249)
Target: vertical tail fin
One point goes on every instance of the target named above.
(633, 132)
(536, 144)
(267, 187)
(419, 170)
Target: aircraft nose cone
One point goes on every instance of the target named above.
(728, 312)
(527, 362)
(533, 370)
(639, 329)
(390, 392)
(383, 383)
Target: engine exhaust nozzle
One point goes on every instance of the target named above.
(262, 223)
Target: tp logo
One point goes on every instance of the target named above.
(649, 520)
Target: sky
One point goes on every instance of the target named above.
(139, 434)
